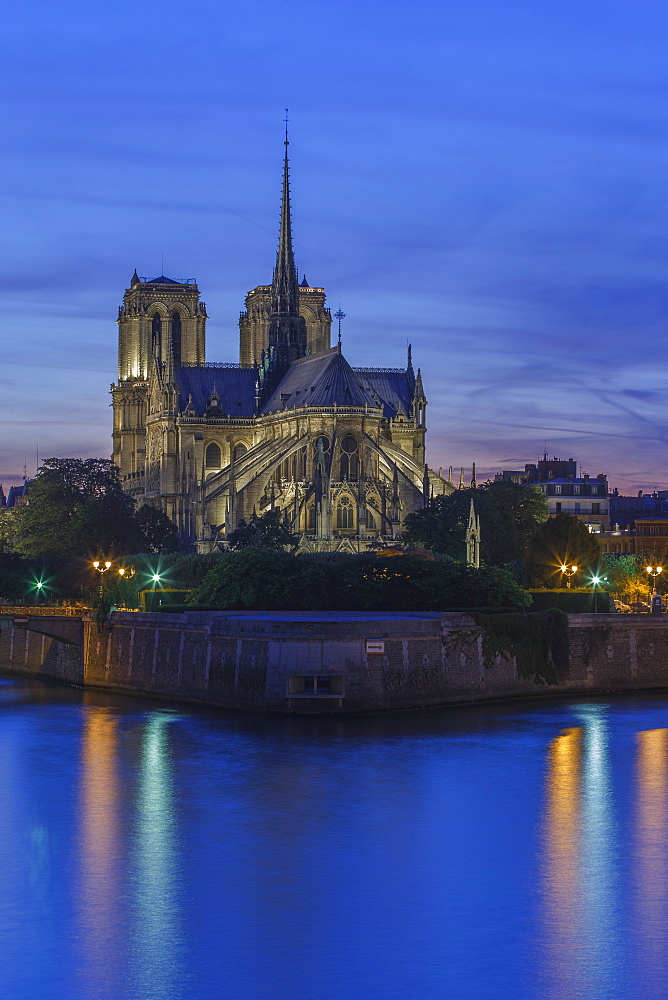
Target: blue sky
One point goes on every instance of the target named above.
(487, 181)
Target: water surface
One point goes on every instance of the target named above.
(152, 851)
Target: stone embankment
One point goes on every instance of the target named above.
(335, 663)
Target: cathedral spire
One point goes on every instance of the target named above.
(285, 284)
(287, 329)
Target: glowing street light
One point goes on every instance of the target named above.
(654, 571)
(102, 568)
(568, 572)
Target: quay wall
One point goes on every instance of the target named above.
(34, 654)
(320, 663)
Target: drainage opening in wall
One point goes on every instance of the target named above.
(315, 685)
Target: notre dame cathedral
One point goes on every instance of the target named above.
(339, 450)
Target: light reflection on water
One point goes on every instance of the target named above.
(512, 851)
(651, 861)
(156, 931)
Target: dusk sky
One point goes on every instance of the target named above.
(488, 181)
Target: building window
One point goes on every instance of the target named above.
(557, 489)
(345, 514)
(314, 685)
(576, 490)
(577, 508)
(212, 458)
(321, 454)
(557, 507)
(594, 529)
(370, 520)
(239, 451)
(176, 337)
(349, 463)
(156, 334)
(596, 508)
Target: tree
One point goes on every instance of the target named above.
(261, 579)
(509, 514)
(159, 534)
(627, 576)
(8, 526)
(562, 540)
(77, 507)
(268, 531)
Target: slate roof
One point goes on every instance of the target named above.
(323, 379)
(235, 388)
(393, 389)
(320, 380)
(162, 280)
(15, 492)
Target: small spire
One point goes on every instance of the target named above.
(134, 280)
(339, 314)
(304, 283)
(409, 366)
(473, 479)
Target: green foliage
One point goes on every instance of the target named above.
(158, 533)
(262, 579)
(508, 513)
(539, 643)
(627, 577)
(8, 526)
(576, 601)
(268, 531)
(562, 539)
(76, 507)
(181, 570)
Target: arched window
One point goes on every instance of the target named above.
(349, 463)
(212, 458)
(156, 334)
(239, 451)
(370, 520)
(310, 517)
(345, 514)
(176, 337)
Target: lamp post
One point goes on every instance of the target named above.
(654, 571)
(568, 572)
(101, 568)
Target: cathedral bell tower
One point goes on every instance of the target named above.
(160, 320)
(163, 312)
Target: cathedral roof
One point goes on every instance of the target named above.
(394, 389)
(235, 388)
(324, 379)
(162, 280)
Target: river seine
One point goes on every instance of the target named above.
(507, 851)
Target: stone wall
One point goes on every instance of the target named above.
(30, 653)
(302, 663)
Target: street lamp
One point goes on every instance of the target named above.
(101, 568)
(568, 571)
(654, 571)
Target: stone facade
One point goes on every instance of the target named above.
(332, 664)
(340, 451)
